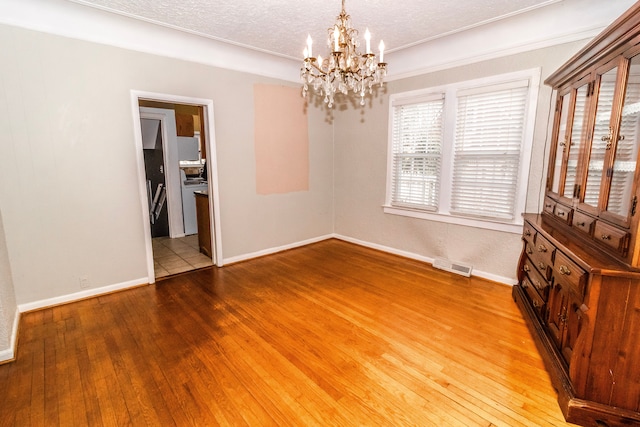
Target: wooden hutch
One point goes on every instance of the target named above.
(579, 272)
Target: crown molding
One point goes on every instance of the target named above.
(77, 21)
(560, 22)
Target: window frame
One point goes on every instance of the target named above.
(437, 97)
(450, 91)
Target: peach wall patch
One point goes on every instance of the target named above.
(281, 140)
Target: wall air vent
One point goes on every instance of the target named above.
(453, 267)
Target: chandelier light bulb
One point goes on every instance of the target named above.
(309, 43)
(381, 47)
(367, 38)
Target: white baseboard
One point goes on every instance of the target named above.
(22, 308)
(63, 299)
(10, 353)
(484, 275)
(276, 249)
(495, 278)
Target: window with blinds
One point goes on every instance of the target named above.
(416, 152)
(488, 142)
(460, 153)
(600, 131)
(574, 145)
(624, 165)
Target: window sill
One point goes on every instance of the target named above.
(515, 228)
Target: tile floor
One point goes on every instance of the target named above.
(173, 256)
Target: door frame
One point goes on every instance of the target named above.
(211, 164)
(171, 166)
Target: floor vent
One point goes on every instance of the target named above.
(453, 267)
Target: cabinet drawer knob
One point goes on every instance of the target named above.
(529, 251)
(560, 213)
(606, 237)
(526, 268)
(535, 304)
(581, 224)
(541, 266)
(527, 232)
(542, 248)
(564, 270)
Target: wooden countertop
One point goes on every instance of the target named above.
(578, 247)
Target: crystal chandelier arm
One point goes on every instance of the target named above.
(311, 65)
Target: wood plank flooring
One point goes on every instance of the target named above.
(328, 334)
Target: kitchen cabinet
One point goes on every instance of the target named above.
(203, 220)
(579, 271)
(184, 124)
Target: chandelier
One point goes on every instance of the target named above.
(345, 69)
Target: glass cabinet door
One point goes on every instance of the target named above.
(574, 143)
(601, 135)
(625, 146)
(561, 143)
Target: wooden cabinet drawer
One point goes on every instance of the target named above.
(563, 213)
(528, 233)
(583, 222)
(569, 274)
(543, 251)
(549, 205)
(536, 300)
(535, 263)
(611, 236)
(538, 279)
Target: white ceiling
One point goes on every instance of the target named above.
(281, 26)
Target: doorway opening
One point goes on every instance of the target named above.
(177, 168)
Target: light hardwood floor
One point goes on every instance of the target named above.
(331, 334)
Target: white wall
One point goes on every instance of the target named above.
(8, 306)
(361, 165)
(68, 177)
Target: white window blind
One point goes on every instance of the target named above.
(489, 136)
(575, 140)
(416, 152)
(598, 145)
(624, 165)
(460, 153)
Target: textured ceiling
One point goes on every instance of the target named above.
(281, 26)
